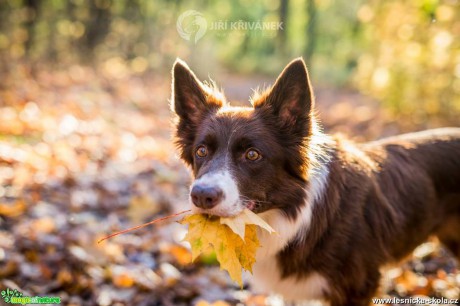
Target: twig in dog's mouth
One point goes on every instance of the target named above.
(144, 225)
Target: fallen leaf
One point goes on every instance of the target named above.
(180, 253)
(123, 280)
(12, 209)
(216, 303)
(44, 225)
(234, 240)
(220, 303)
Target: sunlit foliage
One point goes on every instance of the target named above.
(404, 53)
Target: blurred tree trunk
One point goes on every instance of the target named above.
(50, 15)
(133, 14)
(283, 18)
(33, 10)
(4, 10)
(98, 24)
(70, 12)
(311, 32)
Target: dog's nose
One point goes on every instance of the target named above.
(205, 196)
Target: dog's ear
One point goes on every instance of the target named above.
(290, 99)
(190, 98)
(191, 101)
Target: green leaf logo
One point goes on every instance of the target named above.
(7, 294)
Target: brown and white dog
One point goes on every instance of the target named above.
(341, 209)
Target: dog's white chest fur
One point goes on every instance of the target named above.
(266, 273)
(267, 279)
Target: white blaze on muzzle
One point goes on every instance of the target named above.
(228, 204)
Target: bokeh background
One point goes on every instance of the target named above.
(85, 128)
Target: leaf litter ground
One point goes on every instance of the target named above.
(83, 155)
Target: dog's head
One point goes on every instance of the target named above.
(245, 157)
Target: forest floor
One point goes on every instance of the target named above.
(84, 154)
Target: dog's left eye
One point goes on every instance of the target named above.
(201, 151)
(252, 155)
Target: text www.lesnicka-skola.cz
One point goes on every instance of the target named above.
(416, 301)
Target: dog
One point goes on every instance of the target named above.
(342, 210)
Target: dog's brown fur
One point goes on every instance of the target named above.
(382, 199)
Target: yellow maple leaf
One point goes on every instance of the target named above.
(238, 223)
(234, 240)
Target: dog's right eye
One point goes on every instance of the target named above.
(201, 151)
(252, 155)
